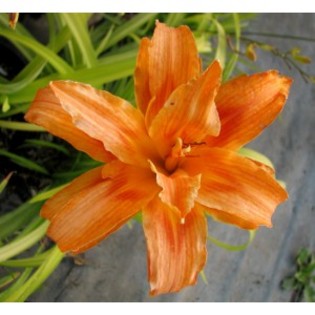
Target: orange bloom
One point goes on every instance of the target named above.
(174, 157)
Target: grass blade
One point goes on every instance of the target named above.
(251, 236)
(22, 126)
(26, 262)
(35, 67)
(24, 162)
(6, 280)
(41, 274)
(46, 144)
(221, 49)
(233, 60)
(57, 62)
(109, 69)
(77, 23)
(127, 28)
(5, 182)
(46, 194)
(16, 247)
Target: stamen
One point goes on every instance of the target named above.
(177, 148)
(182, 220)
(186, 149)
(171, 161)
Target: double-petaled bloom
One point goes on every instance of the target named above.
(174, 157)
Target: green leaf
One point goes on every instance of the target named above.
(288, 283)
(21, 108)
(22, 126)
(126, 29)
(46, 194)
(221, 48)
(5, 182)
(16, 247)
(34, 223)
(255, 155)
(301, 276)
(109, 69)
(5, 105)
(57, 62)
(24, 162)
(175, 19)
(303, 59)
(304, 257)
(295, 51)
(138, 217)
(20, 29)
(46, 144)
(203, 277)
(250, 52)
(6, 280)
(34, 261)
(35, 67)
(251, 236)
(203, 43)
(104, 42)
(230, 66)
(14, 219)
(265, 47)
(41, 274)
(17, 284)
(309, 294)
(77, 23)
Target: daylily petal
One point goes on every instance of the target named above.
(236, 186)
(189, 113)
(47, 112)
(141, 76)
(228, 218)
(98, 210)
(179, 190)
(78, 185)
(247, 105)
(107, 118)
(172, 59)
(176, 252)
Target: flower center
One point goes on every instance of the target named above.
(178, 151)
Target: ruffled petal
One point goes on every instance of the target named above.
(173, 60)
(109, 119)
(176, 252)
(95, 211)
(47, 112)
(189, 113)
(228, 218)
(141, 76)
(82, 183)
(235, 186)
(247, 105)
(179, 190)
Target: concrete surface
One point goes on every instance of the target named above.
(116, 269)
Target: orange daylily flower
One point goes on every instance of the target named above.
(174, 157)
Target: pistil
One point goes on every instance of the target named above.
(177, 152)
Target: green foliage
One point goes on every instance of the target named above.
(234, 248)
(302, 282)
(23, 162)
(5, 181)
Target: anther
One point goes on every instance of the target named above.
(177, 151)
